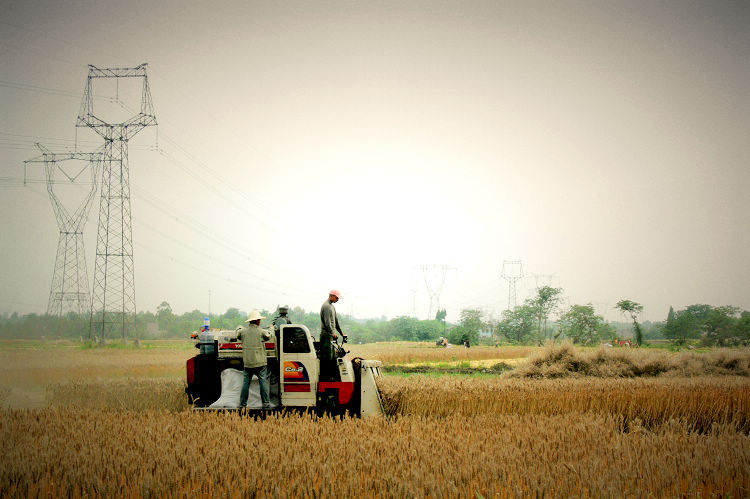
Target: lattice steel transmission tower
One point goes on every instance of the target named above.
(113, 293)
(434, 279)
(512, 272)
(546, 280)
(70, 282)
(413, 288)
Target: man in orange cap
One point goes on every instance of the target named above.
(329, 326)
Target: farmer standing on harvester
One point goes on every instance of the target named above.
(329, 325)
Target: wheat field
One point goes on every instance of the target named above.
(119, 425)
(155, 453)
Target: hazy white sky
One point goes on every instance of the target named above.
(309, 145)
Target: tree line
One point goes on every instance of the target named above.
(527, 324)
(710, 326)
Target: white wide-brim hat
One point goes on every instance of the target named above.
(254, 316)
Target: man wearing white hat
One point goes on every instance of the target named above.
(254, 356)
(329, 325)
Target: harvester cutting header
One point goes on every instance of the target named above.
(282, 367)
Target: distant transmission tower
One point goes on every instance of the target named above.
(70, 282)
(434, 278)
(413, 290)
(546, 279)
(113, 294)
(602, 308)
(512, 272)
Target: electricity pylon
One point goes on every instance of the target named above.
(512, 272)
(413, 290)
(69, 291)
(543, 278)
(434, 278)
(602, 308)
(113, 293)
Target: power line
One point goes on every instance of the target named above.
(49, 91)
(197, 227)
(207, 236)
(230, 186)
(31, 140)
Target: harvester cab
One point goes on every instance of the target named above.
(215, 379)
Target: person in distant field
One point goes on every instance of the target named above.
(254, 356)
(329, 327)
(466, 343)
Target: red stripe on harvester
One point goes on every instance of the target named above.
(346, 389)
(288, 387)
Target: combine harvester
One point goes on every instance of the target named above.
(215, 376)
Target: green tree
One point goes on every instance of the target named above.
(700, 311)
(471, 321)
(456, 335)
(632, 308)
(468, 328)
(581, 324)
(742, 329)
(404, 328)
(669, 324)
(310, 319)
(164, 316)
(428, 330)
(607, 331)
(670, 315)
(517, 325)
(232, 313)
(546, 301)
(682, 327)
(713, 325)
(719, 326)
(440, 316)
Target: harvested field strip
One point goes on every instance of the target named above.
(56, 452)
(35, 369)
(73, 358)
(43, 376)
(124, 394)
(475, 367)
(699, 403)
(406, 352)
